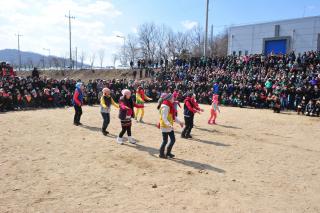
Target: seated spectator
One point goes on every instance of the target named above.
(317, 111)
(310, 108)
(301, 106)
(28, 101)
(276, 104)
(35, 73)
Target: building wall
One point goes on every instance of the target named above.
(302, 33)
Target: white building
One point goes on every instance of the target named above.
(299, 35)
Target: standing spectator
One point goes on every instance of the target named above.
(77, 103)
(35, 73)
(134, 74)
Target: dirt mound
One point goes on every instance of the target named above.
(84, 75)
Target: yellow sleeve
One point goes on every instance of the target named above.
(102, 102)
(114, 103)
(147, 98)
(138, 97)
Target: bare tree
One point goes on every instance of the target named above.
(196, 39)
(49, 61)
(82, 58)
(219, 45)
(92, 59)
(161, 39)
(132, 50)
(181, 41)
(101, 57)
(171, 45)
(30, 63)
(55, 62)
(156, 42)
(147, 34)
(114, 59)
(63, 61)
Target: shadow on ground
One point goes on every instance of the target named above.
(229, 127)
(96, 129)
(196, 165)
(209, 142)
(197, 139)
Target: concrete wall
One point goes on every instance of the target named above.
(302, 33)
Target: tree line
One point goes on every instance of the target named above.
(155, 42)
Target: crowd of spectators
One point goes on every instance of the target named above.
(280, 82)
(6, 69)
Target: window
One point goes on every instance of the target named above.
(277, 30)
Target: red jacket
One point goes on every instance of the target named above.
(190, 106)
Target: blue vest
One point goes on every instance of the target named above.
(80, 97)
(186, 111)
(216, 89)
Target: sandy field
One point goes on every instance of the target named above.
(253, 161)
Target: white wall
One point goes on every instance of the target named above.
(303, 32)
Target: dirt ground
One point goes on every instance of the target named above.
(253, 161)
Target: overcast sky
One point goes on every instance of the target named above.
(43, 24)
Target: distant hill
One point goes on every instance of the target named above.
(31, 59)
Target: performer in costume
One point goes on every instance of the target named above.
(214, 109)
(77, 103)
(126, 112)
(215, 88)
(176, 103)
(140, 100)
(105, 102)
(167, 118)
(190, 108)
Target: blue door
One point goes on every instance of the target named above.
(276, 46)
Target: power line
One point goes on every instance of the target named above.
(70, 51)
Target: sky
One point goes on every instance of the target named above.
(98, 22)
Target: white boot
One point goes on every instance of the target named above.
(119, 140)
(131, 140)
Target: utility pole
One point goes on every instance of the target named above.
(76, 58)
(19, 53)
(70, 57)
(211, 41)
(211, 34)
(206, 33)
